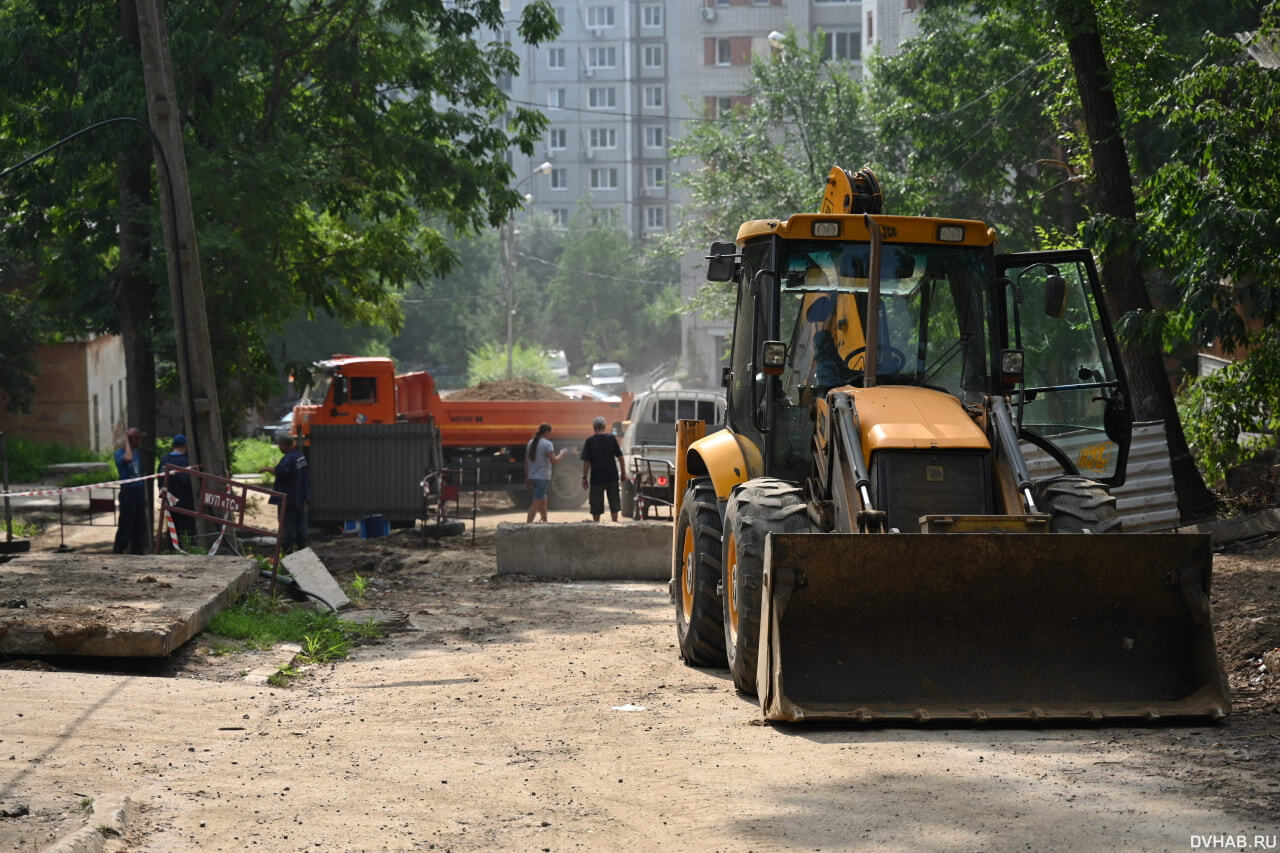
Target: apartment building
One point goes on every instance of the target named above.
(625, 77)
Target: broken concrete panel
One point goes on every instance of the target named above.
(112, 605)
(310, 575)
(586, 550)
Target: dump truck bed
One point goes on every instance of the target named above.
(988, 627)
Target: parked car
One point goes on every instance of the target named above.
(586, 392)
(608, 376)
(558, 363)
(284, 426)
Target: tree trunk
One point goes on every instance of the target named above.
(1120, 269)
(133, 289)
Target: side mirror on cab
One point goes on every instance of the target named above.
(1055, 294)
(340, 390)
(721, 262)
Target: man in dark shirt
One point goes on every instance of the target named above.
(179, 484)
(293, 477)
(131, 526)
(598, 471)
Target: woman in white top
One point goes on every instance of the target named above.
(539, 458)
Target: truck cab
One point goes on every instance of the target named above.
(347, 390)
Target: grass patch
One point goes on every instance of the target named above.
(89, 478)
(251, 455)
(22, 529)
(357, 589)
(261, 621)
(28, 459)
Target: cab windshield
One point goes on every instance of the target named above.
(931, 317)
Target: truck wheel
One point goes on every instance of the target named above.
(699, 629)
(1077, 504)
(756, 508)
(628, 495)
(566, 490)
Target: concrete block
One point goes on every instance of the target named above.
(310, 574)
(585, 551)
(114, 605)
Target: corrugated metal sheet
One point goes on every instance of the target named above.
(1147, 501)
(359, 470)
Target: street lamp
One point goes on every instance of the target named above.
(509, 253)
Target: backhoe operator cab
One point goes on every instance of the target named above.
(951, 317)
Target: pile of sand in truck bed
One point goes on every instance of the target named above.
(508, 389)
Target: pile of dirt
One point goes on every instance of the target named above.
(508, 389)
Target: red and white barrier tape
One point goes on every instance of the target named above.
(63, 489)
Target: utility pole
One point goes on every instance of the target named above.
(186, 288)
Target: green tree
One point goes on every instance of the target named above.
(20, 325)
(611, 301)
(798, 116)
(323, 140)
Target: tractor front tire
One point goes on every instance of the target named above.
(1077, 505)
(756, 508)
(696, 575)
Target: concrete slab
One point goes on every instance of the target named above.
(310, 575)
(1228, 530)
(114, 605)
(585, 551)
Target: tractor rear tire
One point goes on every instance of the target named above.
(756, 508)
(696, 574)
(1077, 505)
(566, 490)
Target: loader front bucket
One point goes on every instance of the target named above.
(979, 626)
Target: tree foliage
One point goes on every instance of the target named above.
(20, 329)
(798, 116)
(324, 141)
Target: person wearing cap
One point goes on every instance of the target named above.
(179, 485)
(599, 476)
(131, 524)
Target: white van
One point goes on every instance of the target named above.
(649, 443)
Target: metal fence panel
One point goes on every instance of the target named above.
(371, 469)
(1147, 501)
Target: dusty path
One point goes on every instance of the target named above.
(556, 716)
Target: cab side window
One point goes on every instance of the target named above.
(364, 389)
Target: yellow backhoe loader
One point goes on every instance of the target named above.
(864, 540)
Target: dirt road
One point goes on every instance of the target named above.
(506, 714)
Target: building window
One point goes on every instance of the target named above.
(602, 98)
(605, 216)
(604, 179)
(602, 137)
(655, 218)
(721, 106)
(655, 177)
(560, 216)
(555, 57)
(842, 44)
(653, 97)
(557, 139)
(599, 17)
(651, 16)
(559, 179)
(555, 99)
(724, 52)
(602, 57)
(652, 56)
(655, 136)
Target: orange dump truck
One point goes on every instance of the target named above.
(484, 438)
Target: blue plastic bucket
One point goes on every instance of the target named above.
(373, 526)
